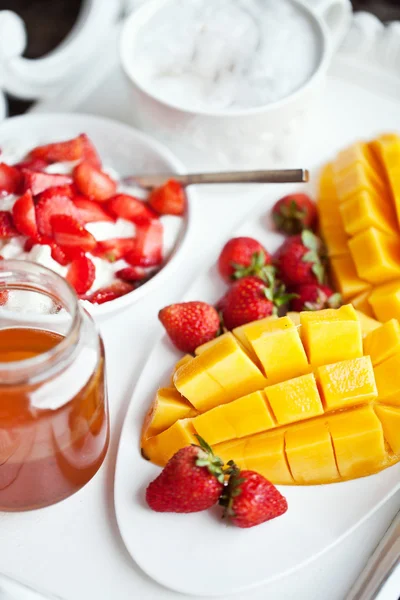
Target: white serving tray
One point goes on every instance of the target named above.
(361, 100)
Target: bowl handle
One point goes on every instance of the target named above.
(40, 78)
(336, 15)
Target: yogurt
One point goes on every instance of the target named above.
(225, 54)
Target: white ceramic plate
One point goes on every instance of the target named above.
(122, 148)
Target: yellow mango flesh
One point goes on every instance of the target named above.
(168, 407)
(183, 361)
(335, 239)
(387, 148)
(383, 342)
(367, 324)
(385, 301)
(376, 256)
(345, 278)
(363, 211)
(336, 422)
(331, 335)
(347, 383)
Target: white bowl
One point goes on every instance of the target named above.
(120, 147)
(244, 138)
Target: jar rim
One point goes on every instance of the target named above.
(29, 368)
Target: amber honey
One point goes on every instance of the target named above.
(47, 453)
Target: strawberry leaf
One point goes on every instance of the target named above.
(310, 240)
(310, 256)
(319, 272)
(335, 300)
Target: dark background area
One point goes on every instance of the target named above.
(49, 21)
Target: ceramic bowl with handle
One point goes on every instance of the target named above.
(258, 137)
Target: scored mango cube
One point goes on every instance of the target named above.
(361, 304)
(351, 182)
(194, 383)
(265, 454)
(347, 383)
(360, 152)
(345, 277)
(331, 335)
(389, 416)
(385, 301)
(363, 211)
(376, 256)
(383, 342)
(328, 202)
(387, 148)
(278, 348)
(295, 399)
(212, 343)
(310, 453)
(242, 417)
(160, 448)
(168, 406)
(187, 358)
(367, 323)
(358, 442)
(335, 239)
(387, 377)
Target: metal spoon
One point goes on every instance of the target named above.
(267, 176)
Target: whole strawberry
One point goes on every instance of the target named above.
(243, 256)
(293, 213)
(300, 260)
(191, 481)
(250, 299)
(313, 296)
(190, 324)
(250, 499)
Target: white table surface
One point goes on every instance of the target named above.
(73, 549)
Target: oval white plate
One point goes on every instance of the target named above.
(120, 147)
(196, 553)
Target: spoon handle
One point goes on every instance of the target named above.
(268, 176)
(380, 566)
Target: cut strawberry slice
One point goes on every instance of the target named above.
(69, 233)
(90, 152)
(38, 182)
(115, 249)
(10, 179)
(76, 149)
(24, 215)
(113, 291)
(131, 274)
(54, 201)
(94, 183)
(33, 164)
(131, 208)
(148, 249)
(7, 228)
(90, 211)
(57, 253)
(29, 243)
(168, 199)
(81, 274)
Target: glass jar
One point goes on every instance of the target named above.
(54, 426)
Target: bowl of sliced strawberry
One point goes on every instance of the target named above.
(65, 203)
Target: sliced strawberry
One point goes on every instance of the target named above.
(115, 249)
(57, 253)
(34, 164)
(7, 228)
(131, 208)
(54, 201)
(131, 274)
(75, 149)
(148, 249)
(81, 274)
(69, 233)
(90, 152)
(94, 183)
(24, 215)
(113, 291)
(29, 243)
(38, 182)
(168, 199)
(90, 211)
(10, 179)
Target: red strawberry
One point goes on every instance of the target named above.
(293, 213)
(10, 179)
(312, 296)
(192, 480)
(114, 249)
(148, 248)
(69, 233)
(131, 274)
(113, 291)
(250, 499)
(81, 274)
(243, 256)
(190, 324)
(74, 149)
(250, 299)
(24, 215)
(59, 255)
(168, 199)
(299, 260)
(7, 228)
(130, 208)
(3, 294)
(56, 252)
(29, 243)
(37, 182)
(90, 211)
(54, 201)
(34, 164)
(93, 183)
